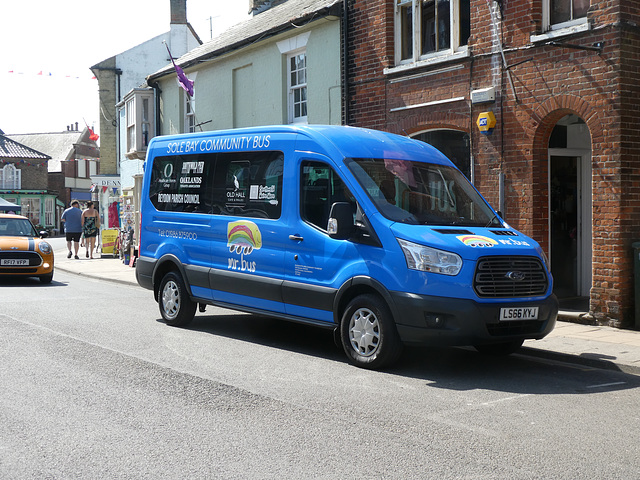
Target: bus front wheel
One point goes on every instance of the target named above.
(368, 333)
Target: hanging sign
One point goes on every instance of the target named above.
(486, 122)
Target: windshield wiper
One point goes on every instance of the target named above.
(446, 189)
(495, 216)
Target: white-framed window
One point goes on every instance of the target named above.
(190, 123)
(82, 167)
(297, 84)
(49, 212)
(130, 112)
(562, 17)
(145, 122)
(31, 209)
(565, 13)
(10, 177)
(428, 28)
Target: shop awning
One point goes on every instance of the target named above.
(7, 206)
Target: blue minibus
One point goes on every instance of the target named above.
(376, 236)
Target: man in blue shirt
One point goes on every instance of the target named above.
(72, 218)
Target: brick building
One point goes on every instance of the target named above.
(74, 159)
(560, 77)
(23, 181)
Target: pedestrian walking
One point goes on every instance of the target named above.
(72, 218)
(90, 228)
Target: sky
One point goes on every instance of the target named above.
(48, 46)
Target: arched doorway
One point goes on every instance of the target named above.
(570, 206)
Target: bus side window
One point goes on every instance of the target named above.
(320, 188)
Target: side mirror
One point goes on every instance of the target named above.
(340, 225)
(43, 233)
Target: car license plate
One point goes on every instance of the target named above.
(519, 313)
(14, 262)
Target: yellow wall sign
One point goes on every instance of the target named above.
(486, 122)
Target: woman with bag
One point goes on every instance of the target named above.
(90, 228)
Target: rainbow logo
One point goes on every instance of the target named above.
(243, 236)
(477, 241)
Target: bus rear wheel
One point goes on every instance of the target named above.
(176, 308)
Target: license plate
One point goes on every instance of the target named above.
(520, 313)
(14, 262)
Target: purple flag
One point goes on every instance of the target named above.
(182, 77)
(184, 81)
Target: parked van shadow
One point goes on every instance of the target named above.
(453, 368)
(271, 332)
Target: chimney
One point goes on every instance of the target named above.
(259, 6)
(179, 11)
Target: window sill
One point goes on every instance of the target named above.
(563, 31)
(136, 155)
(426, 62)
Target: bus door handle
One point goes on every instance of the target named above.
(296, 238)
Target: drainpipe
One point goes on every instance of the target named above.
(345, 63)
(156, 100)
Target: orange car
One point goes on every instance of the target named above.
(23, 251)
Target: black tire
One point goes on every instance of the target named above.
(46, 278)
(176, 308)
(368, 333)
(499, 349)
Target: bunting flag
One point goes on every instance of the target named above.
(184, 82)
(41, 164)
(43, 73)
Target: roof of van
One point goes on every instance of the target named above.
(359, 142)
(334, 140)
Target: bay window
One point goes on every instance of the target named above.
(139, 115)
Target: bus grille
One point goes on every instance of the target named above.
(510, 277)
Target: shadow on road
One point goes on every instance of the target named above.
(454, 368)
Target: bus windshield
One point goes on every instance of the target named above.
(420, 193)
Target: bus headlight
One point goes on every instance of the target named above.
(427, 259)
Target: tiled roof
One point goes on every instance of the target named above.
(12, 149)
(60, 145)
(292, 13)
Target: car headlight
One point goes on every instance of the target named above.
(44, 247)
(427, 259)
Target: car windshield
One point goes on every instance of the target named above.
(16, 227)
(420, 193)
